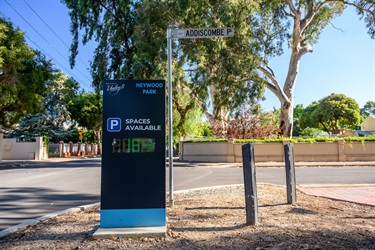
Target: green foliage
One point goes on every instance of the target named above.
(131, 39)
(224, 66)
(297, 111)
(300, 139)
(314, 139)
(86, 110)
(204, 129)
(299, 24)
(130, 34)
(223, 74)
(270, 118)
(186, 114)
(204, 140)
(32, 126)
(366, 10)
(331, 113)
(306, 120)
(13, 50)
(89, 136)
(368, 109)
(359, 138)
(310, 132)
(265, 140)
(52, 122)
(23, 78)
(322, 18)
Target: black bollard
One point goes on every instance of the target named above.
(251, 197)
(290, 173)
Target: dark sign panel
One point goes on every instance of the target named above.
(133, 160)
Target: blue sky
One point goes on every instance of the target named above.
(343, 61)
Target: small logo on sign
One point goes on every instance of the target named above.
(113, 124)
(114, 88)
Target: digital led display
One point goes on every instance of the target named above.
(133, 159)
(133, 145)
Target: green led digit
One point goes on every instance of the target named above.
(136, 145)
(126, 148)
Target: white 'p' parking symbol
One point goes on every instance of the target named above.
(113, 124)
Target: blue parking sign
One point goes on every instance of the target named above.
(133, 160)
(113, 124)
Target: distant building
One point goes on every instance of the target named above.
(368, 125)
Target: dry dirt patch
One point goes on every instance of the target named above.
(215, 219)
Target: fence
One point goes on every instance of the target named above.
(265, 152)
(11, 149)
(72, 149)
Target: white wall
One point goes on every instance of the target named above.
(13, 150)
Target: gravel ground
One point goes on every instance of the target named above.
(215, 219)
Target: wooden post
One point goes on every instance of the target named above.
(290, 173)
(70, 149)
(251, 197)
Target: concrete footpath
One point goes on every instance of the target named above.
(361, 194)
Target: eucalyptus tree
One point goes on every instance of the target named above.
(227, 72)
(220, 70)
(131, 38)
(274, 23)
(299, 23)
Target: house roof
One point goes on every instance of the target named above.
(362, 133)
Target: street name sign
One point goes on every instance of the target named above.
(202, 33)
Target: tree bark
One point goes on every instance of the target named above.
(98, 134)
(299, 48)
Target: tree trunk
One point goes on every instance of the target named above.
(299, 48)
(286, 114)
(287, 95)
(99, 138)
(286, 119)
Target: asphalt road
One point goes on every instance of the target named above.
(35, 189)
(194, 177)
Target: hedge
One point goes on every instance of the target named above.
(293, 140)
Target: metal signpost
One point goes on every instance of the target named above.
(183, 34)
(133, 160)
